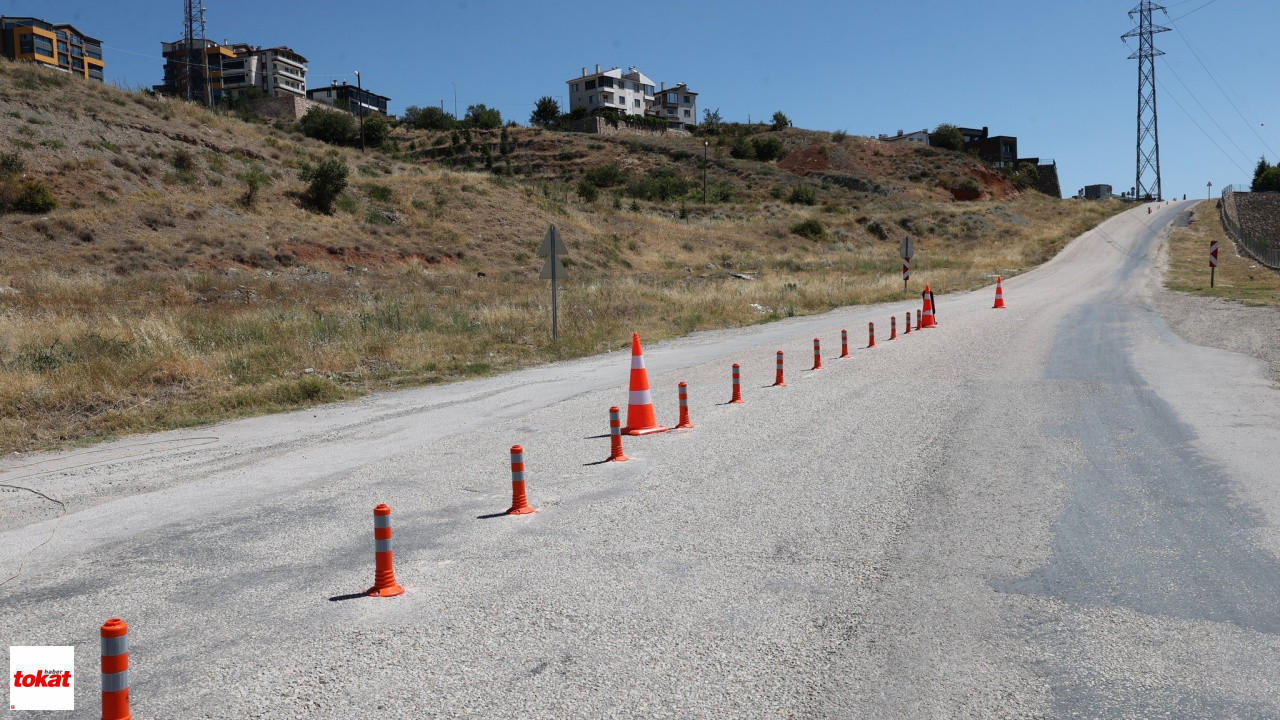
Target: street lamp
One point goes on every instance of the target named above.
(704, 172)
(360, 108)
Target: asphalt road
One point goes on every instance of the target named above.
(1058, 509)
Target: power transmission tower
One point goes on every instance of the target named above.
(193, 29)
(189, 38)
(1148, 126)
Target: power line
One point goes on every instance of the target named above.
(1201, 129)
(1188, 13)
(1221, 89)
(1208, 114)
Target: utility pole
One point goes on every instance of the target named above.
(204, 56)
(1148, 146)
(704, 172)
(360, 107)
(189, 39)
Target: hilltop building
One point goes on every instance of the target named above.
(919, 136)
(58, 46)
(633, 93)
(351, 98)
(999, 150)
(231, 71)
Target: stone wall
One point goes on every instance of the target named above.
(289, 108)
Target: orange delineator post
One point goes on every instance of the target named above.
(927, 320)
(115, 670)
(893, 327)
(999, 294)
(384, 575)
(519, 501)
(844, 343)
(817, 355)
(871, 334)
(615, 436)
(777, 380)
(640, 416)
(737, 386)
(917, 319)
(907, 331)
(684, 406)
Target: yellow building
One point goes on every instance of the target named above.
(60, 47)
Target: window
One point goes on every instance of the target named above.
(591, 99)
(637, 103)
(687, 100)
(672, 98)
(573, 87)
(686, 112)
(590, 85)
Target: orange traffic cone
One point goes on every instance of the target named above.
(384, 575)
(519, 501)
(640, 417)
(999, 295)
(927, 320)
(684, 406)
(115, 669)
(615, 437)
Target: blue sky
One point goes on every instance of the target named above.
(1054, 74)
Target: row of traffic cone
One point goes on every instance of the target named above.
(641, 420)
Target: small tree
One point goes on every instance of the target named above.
(767, 148)
(780, 121)
(332, 126)
(376, 130)
(255, 178)
(545, 112)
(327, 181)
(711, 120)
(742, 149)
(947, 137)
(484, 118)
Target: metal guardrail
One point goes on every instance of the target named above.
(1260, 251)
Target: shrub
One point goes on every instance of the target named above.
(947, 136)
(587, 190)
(606, 175)
(427, 118)
(780, 121)
(376, 130)
(184, 161)
(767, 148)
(331, 126)
(26, 196)
(838, 136)
(742, 149)
(809, 228)
(482, 117)
(326, 181)
(802, 195)
(11, 164)
(662, 184)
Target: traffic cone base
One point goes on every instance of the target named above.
(640, 416)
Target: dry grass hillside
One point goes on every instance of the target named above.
(154, 296)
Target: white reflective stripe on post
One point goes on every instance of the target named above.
(517, 476)
(115, 682)
(112, 646)
(382, 545)
(637, 362)
(382, 521)
(640, 397)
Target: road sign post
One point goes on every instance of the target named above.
(552, 248)
(907, 250)
(1213, 259)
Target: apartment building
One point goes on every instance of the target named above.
(231, 71)
(351, 98)
(629, 93)
(58, 46)
(677, 105)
